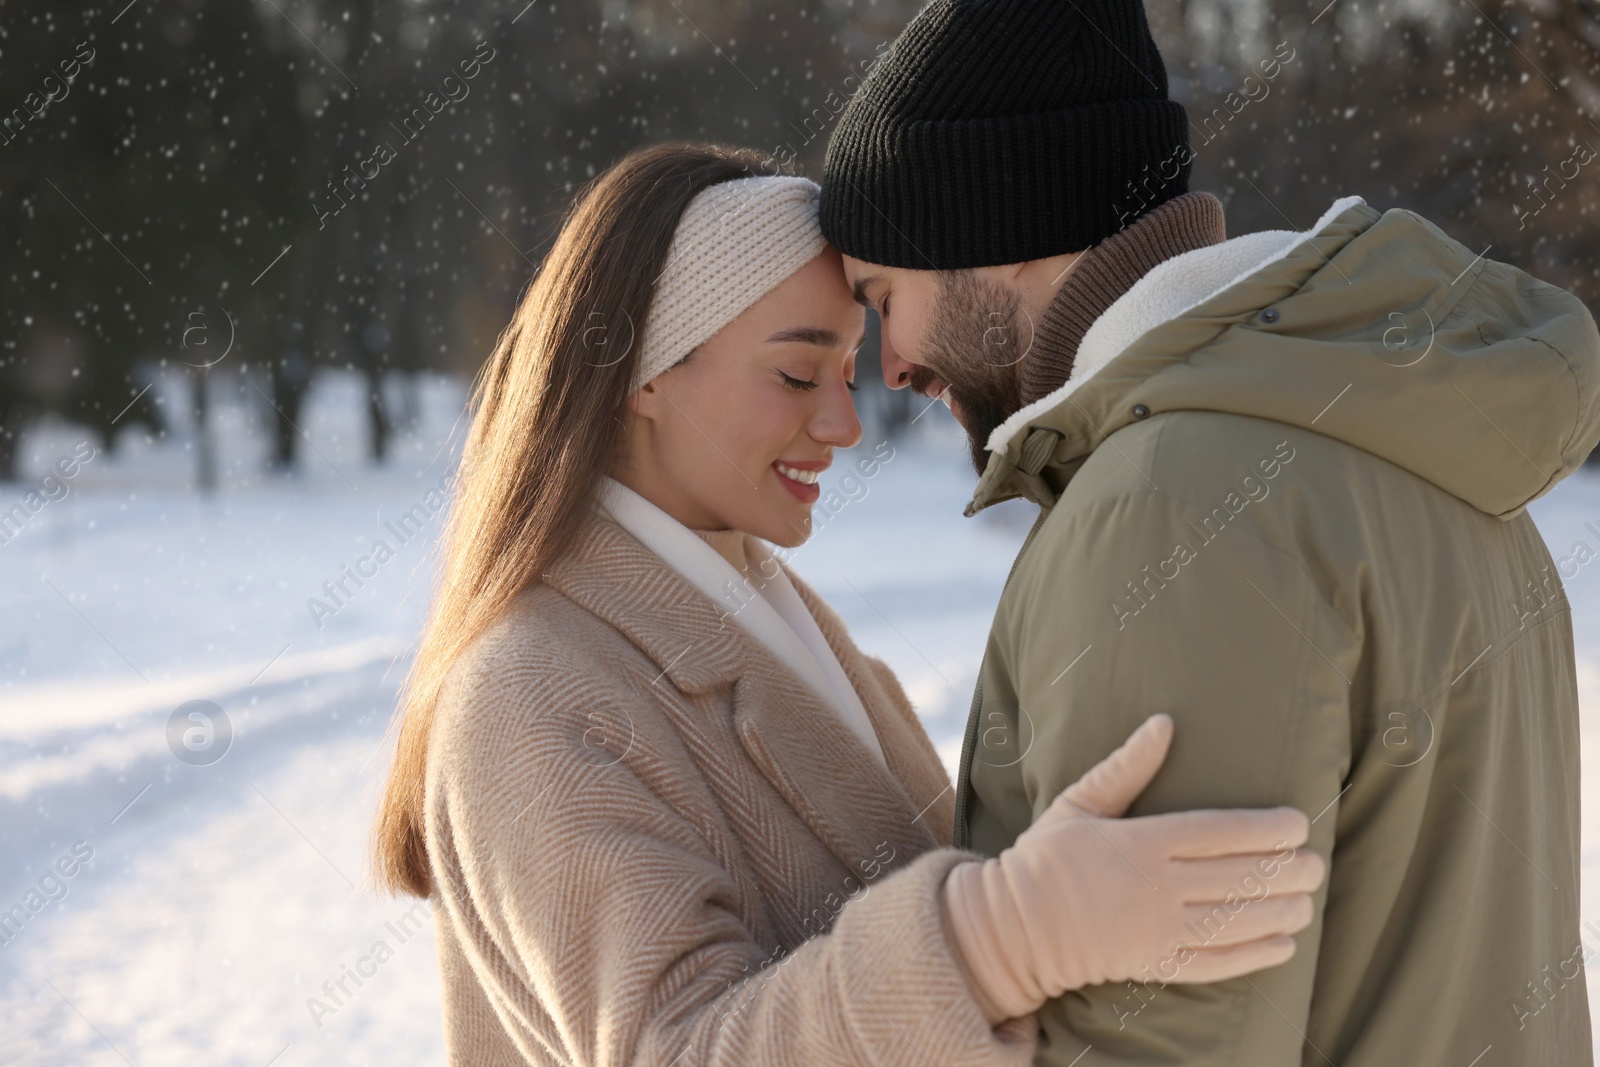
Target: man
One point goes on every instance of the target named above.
(1282, 482)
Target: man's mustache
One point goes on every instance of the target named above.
(922, 379)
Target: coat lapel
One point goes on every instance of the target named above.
(906, 745)
(842, 791)
(858, 809)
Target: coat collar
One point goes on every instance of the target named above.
(823, 770)
(1107, 271)
(760, 606)
(1165, 291)
(1160, 323)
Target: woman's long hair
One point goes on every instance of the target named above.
(548, 411)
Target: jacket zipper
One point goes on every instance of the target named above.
(969, 742)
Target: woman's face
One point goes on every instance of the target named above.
(737, 436)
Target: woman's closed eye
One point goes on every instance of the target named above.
(800, 385)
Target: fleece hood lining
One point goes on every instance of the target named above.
(1167, 291)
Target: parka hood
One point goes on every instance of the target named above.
(1375, 329)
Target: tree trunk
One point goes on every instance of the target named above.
(378, 421)
(205, 455)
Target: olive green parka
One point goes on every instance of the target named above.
(1292, 515)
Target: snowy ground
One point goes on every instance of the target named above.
(222, 893)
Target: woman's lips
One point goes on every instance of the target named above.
(806, 493)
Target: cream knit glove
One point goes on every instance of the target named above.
(1084, 897)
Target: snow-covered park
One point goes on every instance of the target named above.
(195, 692)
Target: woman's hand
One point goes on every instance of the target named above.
(1085, 897)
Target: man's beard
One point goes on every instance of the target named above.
(975, 341)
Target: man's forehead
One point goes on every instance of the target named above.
(861, 277)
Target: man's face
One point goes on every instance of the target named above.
(956, 335)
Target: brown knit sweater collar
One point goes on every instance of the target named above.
(1106, 271)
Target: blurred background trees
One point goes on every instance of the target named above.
(206, 197)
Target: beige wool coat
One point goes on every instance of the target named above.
(652, 844)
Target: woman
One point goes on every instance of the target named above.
(666, 811)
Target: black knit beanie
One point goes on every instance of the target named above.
(1000, 131)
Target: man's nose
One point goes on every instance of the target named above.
(896, 369)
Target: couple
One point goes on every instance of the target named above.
(668, 813)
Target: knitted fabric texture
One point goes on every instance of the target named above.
(736, 242)
(1002, 131)
(1106, 271)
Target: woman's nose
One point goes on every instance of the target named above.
(836, 423)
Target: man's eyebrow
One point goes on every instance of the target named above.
(860, 289)
(806, 335)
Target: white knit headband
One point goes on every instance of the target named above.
(735, 243)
